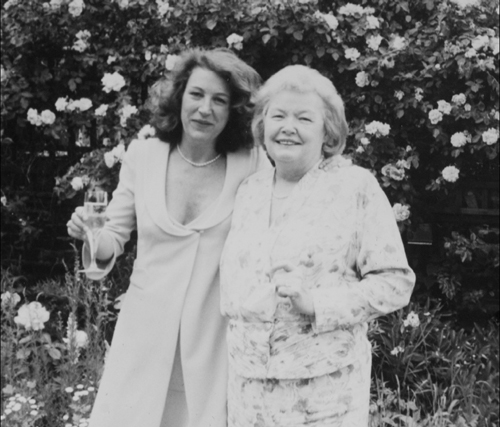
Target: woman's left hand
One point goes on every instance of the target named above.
(289, 285)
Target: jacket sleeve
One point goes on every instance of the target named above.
(385, 281)
(120, 213)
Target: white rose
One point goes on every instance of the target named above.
(399, 94)
(378, 128)
(360, 149)
(147, 55)
(171, 61)
(470, 53)
(467, 107)
(75, 8)
(418, 94)
(101, 110)
(77, 183)
(235, 41)
(163, 7)
(490, 136)
(362, 79)
(435, 116)
(32, 316)
(34, 118)
(122, 4)
(109, 159)
(80, 46)
(119, 152)
(458, 139)
(48, 117)
(126, 112)
(450, 173)
(373, 42)
(444, 107)
(83, 104)
(494, 45)
(351, 9)
(401, 212)
(352, 53)
(459, 99)
(113, 81)
(330, 20)
(479, 42)
(397, 43)
(111, 59)
(146, 132)
(365, 141)
(61, 104)
(372, 22)
(55, 4)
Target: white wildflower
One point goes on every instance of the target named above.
(235, 41)
(412, 320)
(450, 173)
(10, 298)
(401, 212)
(32, 316)
(396, 350)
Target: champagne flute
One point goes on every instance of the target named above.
(94, 208)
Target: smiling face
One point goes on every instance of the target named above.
(205, 107)
(294, 129)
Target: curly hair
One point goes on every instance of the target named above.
(303, 79)
(165, 97)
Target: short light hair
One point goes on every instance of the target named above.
(303, 79)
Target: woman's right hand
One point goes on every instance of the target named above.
(76, 225)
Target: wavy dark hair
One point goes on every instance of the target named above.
(165, 97)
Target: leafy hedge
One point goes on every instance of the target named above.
(419, 79)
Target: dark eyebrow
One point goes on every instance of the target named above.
(216, 94)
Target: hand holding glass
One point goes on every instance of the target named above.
(94, 209)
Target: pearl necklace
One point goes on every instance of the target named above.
(198, 165)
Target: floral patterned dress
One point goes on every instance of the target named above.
(287, 369)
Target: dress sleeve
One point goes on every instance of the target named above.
(385, 280)
(120, 213)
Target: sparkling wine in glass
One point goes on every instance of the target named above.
(94, 208)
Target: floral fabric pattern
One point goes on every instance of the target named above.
(340, 233)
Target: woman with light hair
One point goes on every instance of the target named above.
(311, 257)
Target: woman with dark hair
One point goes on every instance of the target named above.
(167, 365)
